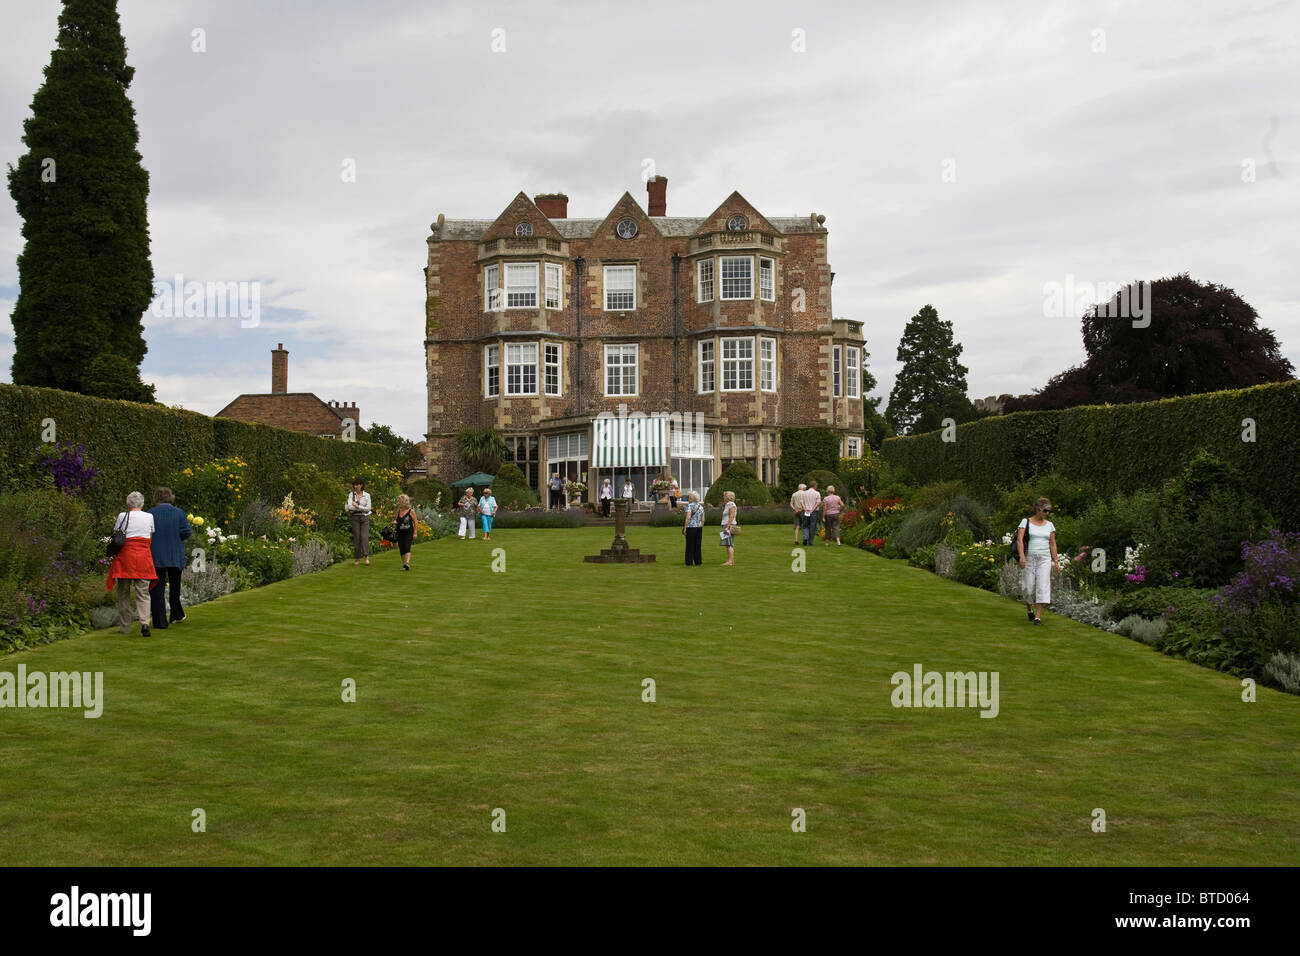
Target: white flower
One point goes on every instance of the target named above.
(1006, 539)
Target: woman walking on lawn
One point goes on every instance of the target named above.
(1036, 542)
(132, 567)
(405, 524)
(728, 536)
(468, 509)
(693, 529)
(831, 507)
(487, 508)
(358, 508)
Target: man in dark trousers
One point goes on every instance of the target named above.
(171, 528)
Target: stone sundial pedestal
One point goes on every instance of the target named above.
(619, 552)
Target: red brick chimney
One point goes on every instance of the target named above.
(279, 370)
(553, 205)
(657, 187)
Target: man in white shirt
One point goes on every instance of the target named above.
(812, 500)
(796, 508)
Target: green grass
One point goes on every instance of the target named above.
(522, 690)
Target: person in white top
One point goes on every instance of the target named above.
(1036, 542)
(812, 501)
(674, 493)
(606, 497)
(359, 509)
(132, 567)
(628, 491)
(796, 508)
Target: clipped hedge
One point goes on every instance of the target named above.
(136, 446)
(1122, 448)
(804, 450)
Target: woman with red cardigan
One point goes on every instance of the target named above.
(132, 567)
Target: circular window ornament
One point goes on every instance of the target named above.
(737, 223)
(626, 228)
(524, 229)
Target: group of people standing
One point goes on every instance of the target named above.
(811, 511)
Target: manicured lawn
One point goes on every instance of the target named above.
(522, 690)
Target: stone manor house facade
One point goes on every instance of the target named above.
(536, 324)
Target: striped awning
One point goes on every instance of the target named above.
(627, 442)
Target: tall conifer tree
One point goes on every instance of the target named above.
(84, 274)
(932, 383)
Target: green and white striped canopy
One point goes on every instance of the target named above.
(627, 442)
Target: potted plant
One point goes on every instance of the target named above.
(574, 490)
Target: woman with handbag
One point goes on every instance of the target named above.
(727, 536)
(404, 524)
(1036, 545)
(132, 566)
(358, 508)
(468, 513)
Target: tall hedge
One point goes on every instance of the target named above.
(1123, 448)
(807, 449)
(136, 445)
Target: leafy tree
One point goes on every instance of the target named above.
(403, 449)
(932, 383)
(1202, 337)
(84, 274)
(481, 449)
(740, 478)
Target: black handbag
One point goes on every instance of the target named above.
(117, 540)
(389, 534)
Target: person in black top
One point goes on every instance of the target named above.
(405, 523)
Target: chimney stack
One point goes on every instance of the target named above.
(279, 370)
(553, 205)
(657, 187)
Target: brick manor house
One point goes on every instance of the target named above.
(537, 323)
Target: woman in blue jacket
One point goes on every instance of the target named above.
(170, 529)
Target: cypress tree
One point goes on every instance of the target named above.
(932, 382)
(84, 274)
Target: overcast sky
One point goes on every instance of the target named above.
(1090, 142)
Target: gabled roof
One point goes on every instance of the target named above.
(716, 221)
(311, 396)
(521, 209)
(627, 208)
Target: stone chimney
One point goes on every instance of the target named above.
(657, 187)
(553, 205)
(279, 370)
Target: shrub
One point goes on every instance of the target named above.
(937, 495)
(860, 475)
(258, 518)
(310, 554)
(1283, 670)
(919, 528)
(1123, 522)
(923, 557)
(510, 474)
(979, 565)
(1142, 629)
(441, 524)
(1158, 602)
(266, 561)
(824, 480)
(320, 492)
(68, 467)
(208, 585)
(513, 497)
(1204, 518)
(217, 489)
(431, 492)
(740, 478)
